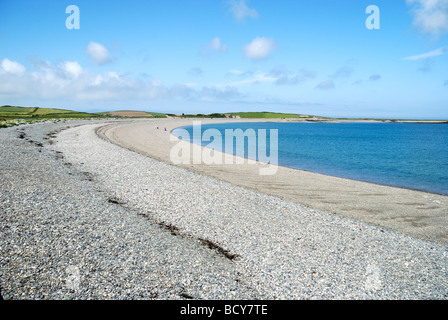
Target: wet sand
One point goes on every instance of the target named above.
(421, 214)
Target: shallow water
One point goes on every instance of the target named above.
(398, 154)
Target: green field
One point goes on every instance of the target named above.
(11, 112)
(158, 114)
(268, 115)
(35, 113)
(249, 115)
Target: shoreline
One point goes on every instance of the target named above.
(329, 175)
(132, 227)
(414, 212)
(378, 121)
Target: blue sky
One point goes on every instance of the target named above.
(203, 56)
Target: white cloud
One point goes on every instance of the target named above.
(241, 11)
(12, 67)
(259, 49)
(98, 53)
(68, 82)
(72, 68)
(375, 77)
(434, 53)
(430, 16)
(278, 75)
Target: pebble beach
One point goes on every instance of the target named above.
(85, 216)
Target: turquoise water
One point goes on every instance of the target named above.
(405, 155)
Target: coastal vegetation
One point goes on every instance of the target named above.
(15, 115)
(247, 115)
(13, 112)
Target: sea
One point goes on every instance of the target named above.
(408, 155)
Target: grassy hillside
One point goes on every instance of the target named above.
(34, 113)
(11, 112)
(249, 115)
(269, 115)
(135, 114)
(158, 114)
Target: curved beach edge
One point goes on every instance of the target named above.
(83, 218)
(418, 213)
